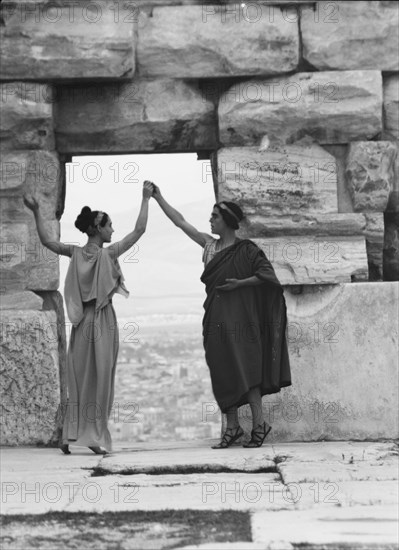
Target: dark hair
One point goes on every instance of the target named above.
(86, 219)
(228, 218)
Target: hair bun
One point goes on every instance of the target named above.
(84, 220)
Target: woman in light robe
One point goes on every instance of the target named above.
(94, 276)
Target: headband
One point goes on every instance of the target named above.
(98, 219)
(223, 206)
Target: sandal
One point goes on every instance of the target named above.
(98, 450)
(229, 438)
(258, 436)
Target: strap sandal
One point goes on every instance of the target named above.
(98, 450)
(258, 435)
(230, 436)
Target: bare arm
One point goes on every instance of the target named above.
(127, 242)
(178, 219)
(55, 246)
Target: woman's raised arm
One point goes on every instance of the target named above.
(178, 219)
(55, 246)
(120, 247)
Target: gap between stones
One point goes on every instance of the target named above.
(101, 471)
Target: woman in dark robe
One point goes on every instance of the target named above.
(245, 319)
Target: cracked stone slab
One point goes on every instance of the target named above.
(329, 451)
(189, 460)
(344, 493)
(352, 525)
(221, 491)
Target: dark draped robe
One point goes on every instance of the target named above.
(244, 330)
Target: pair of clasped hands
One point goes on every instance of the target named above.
(150, 190)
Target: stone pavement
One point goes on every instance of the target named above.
(297, 493)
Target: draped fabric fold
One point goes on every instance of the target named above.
(93, 274)
(244, 330)
(93, 277)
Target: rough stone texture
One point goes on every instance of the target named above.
(370, 174)
(334, 226)
(300, 260)
(198, 42)
(29, 382)
(391, 247)
(64, 40)
(52, 301)
(331, 225)
(374, 233)
(21, 300)
(283, 181)
(26, 111)
(341, 338)
(344, 198)
(331, 107)
(25, 263)
(160, 115)
(393, 201)
(391, 107)
(351, 35)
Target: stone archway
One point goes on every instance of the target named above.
(302, 134)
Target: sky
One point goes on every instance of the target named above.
(166, 263)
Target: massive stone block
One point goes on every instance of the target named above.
(370, 174)
(65, 40)
(343, 343)
(331, 227)
(211, 41)
(391, 107)
(142, 116)
(283, 181)
(25, 263)
(26, 111)
(331, 107)
(29, 385)
(300, 260)
(21, 300)
(351, 35)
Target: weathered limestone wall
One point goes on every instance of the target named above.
(297, 105)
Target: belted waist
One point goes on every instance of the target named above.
(93, 302)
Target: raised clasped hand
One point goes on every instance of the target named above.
(148, 189)
(230, 284)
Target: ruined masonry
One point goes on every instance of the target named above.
(297, 106)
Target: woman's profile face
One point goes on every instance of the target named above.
(106, 231)
(217, 222)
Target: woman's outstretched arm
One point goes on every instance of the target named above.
(177, 218)
(120, 247)
(55, 246)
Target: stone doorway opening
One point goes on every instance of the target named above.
(161, 356)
